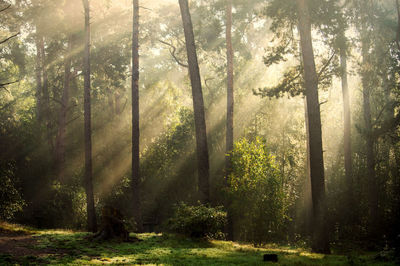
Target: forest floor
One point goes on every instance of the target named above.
(26, 246)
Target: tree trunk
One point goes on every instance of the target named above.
(62, 120)
(307, 186)
(46, 95)
(229, 108)
(135, 183)
(198, 104)
(348, 164)
(320, 236)
(91, 214)
(39, 88)
(369, 139)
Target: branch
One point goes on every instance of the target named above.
(4, 9)
(5, 89)
(324, 102)
(205, 82)
(146, 8)
(8, 83)
(57, 101)
(326, 65)
(123, 108)
(173, 53)
(385, 107)
(7, 39)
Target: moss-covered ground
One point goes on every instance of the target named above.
(59, 247)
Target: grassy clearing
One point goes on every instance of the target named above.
(58, 247)
(16, 228)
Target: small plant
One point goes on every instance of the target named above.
(198, 221)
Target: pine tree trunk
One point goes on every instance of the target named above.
(39, 88)
(320, 237)
(62, 120)
(348, 164)
(198, 105)
(46, 95)
(91, 214)
(307, 186)
(369, 139)
(229, 108)
(135, 183)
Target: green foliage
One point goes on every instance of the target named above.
(11, 201)
(198, 221)
(256, 192)
(167, 167)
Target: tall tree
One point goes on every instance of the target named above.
(369, 139)
(320, 236)
(229, 105)
(198, 104)
(135, 182)
(39, 86)
(348, 163)
(91, 214)
(62, 119)
(45, 92)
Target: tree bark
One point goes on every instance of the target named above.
(198, 105)
(398, 24)
(39, 84)
(91, 214)
(45, 94)
(369, 139)
(307, 186)
(229, 109)
(135, 183)
(62, 120)
(320, 237)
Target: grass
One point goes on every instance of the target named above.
(71, 248)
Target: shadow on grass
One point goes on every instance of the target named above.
(75, 249)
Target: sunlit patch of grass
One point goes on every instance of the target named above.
(312, 255)
(16, 228)
(73, 248)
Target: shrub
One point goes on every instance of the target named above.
(197, 221)
(256, 192)
(11, 201)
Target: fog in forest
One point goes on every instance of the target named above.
(314, 87)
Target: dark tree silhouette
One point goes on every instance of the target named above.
(320, 235)
(135, 182)
(91, 215)
(198, 104)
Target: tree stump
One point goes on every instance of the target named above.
(112, 226)
(271, 257)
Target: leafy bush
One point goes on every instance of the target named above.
(198, 221)
(256, 192)
(11, 201)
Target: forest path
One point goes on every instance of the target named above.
(20, 246)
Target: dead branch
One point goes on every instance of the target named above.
(8, 83)
(172, 52)
(4, 9)
(7, 39)
(146, 8)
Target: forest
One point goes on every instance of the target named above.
(216, 131)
